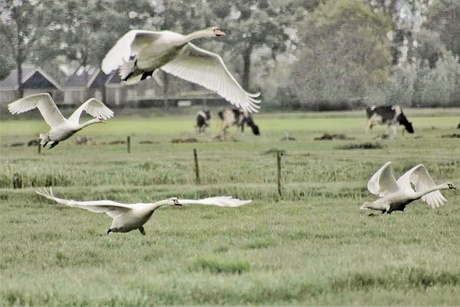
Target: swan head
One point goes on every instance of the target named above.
(216, 31)
(101, 120)
(365, 206)
(374, 206)
(175, 201)
(450, 186)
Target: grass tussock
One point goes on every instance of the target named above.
(405, 278)
(216, 265)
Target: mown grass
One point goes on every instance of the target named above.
(309, 246)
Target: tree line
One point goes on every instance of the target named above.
(312, 54)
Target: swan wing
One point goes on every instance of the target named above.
(383, 181)
(113, 209)
(221, 201)
(93, 107)
(128, 46)
(45, 105)
(209, 70)
(422, 181)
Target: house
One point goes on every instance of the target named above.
(34, 81)
(84, 84)
(92, 82)
(115, 90)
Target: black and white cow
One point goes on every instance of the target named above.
(387, 115)
(239, 118)
(202, 120)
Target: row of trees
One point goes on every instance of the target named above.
(298, 53)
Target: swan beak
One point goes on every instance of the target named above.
(101, 120)
(218, 32)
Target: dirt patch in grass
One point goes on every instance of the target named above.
(329, 137)
(221, 137)
(451, 136)
(185, 140)
(366, 145)
(272, 151)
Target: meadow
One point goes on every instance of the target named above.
(311, 245)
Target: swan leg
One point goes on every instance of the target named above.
(141, 230)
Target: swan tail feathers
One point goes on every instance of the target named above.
(130, 74)
(126, 70)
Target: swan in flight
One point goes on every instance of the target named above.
(127, 217)
(395, 195)
(61, 128)
(138, 54)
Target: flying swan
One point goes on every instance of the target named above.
(127, 217)
(139, 53)
(61, 128)
(395, 195)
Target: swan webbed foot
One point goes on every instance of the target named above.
(141, 230)
(53, 144)
(109, 230)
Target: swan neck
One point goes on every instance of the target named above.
(90, 122)
(194, 35)
(159, 204)
(432, 189)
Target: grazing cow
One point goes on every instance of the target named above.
(202, 120)
(387, 115)
(239, 117)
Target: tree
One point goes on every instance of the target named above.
(430, 48)
(253, 24)
(345, 53)
(6, 61)
(438, 86)
(407, 17)
(25, 26)
(443, 17)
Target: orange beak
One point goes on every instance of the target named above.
(218, 32)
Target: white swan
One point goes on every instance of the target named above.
(61, 128)
(395, 195)
(139, 53)
(127, 217)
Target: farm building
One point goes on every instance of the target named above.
(86, 83)
(34, 80)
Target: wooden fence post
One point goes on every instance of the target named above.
(197, 169)
(128, 144)
(278, 161)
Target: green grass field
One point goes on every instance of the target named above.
(309, 246)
